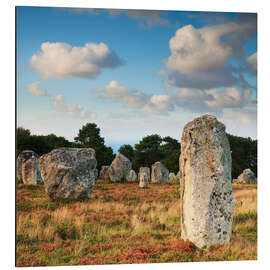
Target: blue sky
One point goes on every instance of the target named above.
(134, 73)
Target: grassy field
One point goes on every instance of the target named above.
(122, 224)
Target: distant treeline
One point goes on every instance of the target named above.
(150, 148)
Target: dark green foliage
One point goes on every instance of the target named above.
(244, 154)
(171, 153)
(38, 143)
(127, 150)
(89, 136)
(147, 151)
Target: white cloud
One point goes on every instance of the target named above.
(194, 50)
(201, 58)
(213, 100)
(60, 60)
(152, 104)
(230, 98)
(72, 109)
(35, 90)
(252, 62)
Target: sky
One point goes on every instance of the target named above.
(134, 72)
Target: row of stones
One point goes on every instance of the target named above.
(206, 197)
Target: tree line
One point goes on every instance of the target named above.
(150, 148)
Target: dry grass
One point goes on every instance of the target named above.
(122, 224)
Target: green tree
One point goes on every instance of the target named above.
(89, 136)
(244, 154)
(127, 150)
(23, 137)
(147, 151)
(171, 152)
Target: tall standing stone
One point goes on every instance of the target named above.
(206, 196)
(119, 169)
(143, 180)
(69, 173)
(27, 167)
(159, 174)
(144, 170)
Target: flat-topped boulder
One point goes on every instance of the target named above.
(206, 198)
(159, 174)
(27, 168)
(132, 176)
(69, 173)
(246, 177)
(119, 169)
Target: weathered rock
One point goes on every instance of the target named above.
(69, 173)
(159, 174)
(27, 167)
(119, 169)
(96, 173)
(172, 176)
(144, 180)
(178, 176)
(144, 170)
(247, 177)
(206, 196)
(132, 177)
(104, 173)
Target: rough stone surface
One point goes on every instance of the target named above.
(159, 174)
(119, 169)
(27, 168)
(69, 173)
(206, 198)
(247, 177)
(172, 176)
(96, 173)
(104, 172)
(144, 170)
(144, 180)
(178, 176)
(132, 177)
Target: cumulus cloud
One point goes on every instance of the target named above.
(200, 58)
(71, 109)
(252, 62)
(213, 100)
(194, 50)
(135, 99)
(35, 90)
(230, 98)
(60, 60)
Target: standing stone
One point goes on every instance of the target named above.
(206, 197)
(27, 168)
(159, 174)
(104, 173)
(144, 170)
(132, 177)
(69, 173)
(247, 177)
(172, 176)
(120, 168)
(144, 180)
(178, 176)
(96, 173)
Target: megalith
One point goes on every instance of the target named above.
(206, 198)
